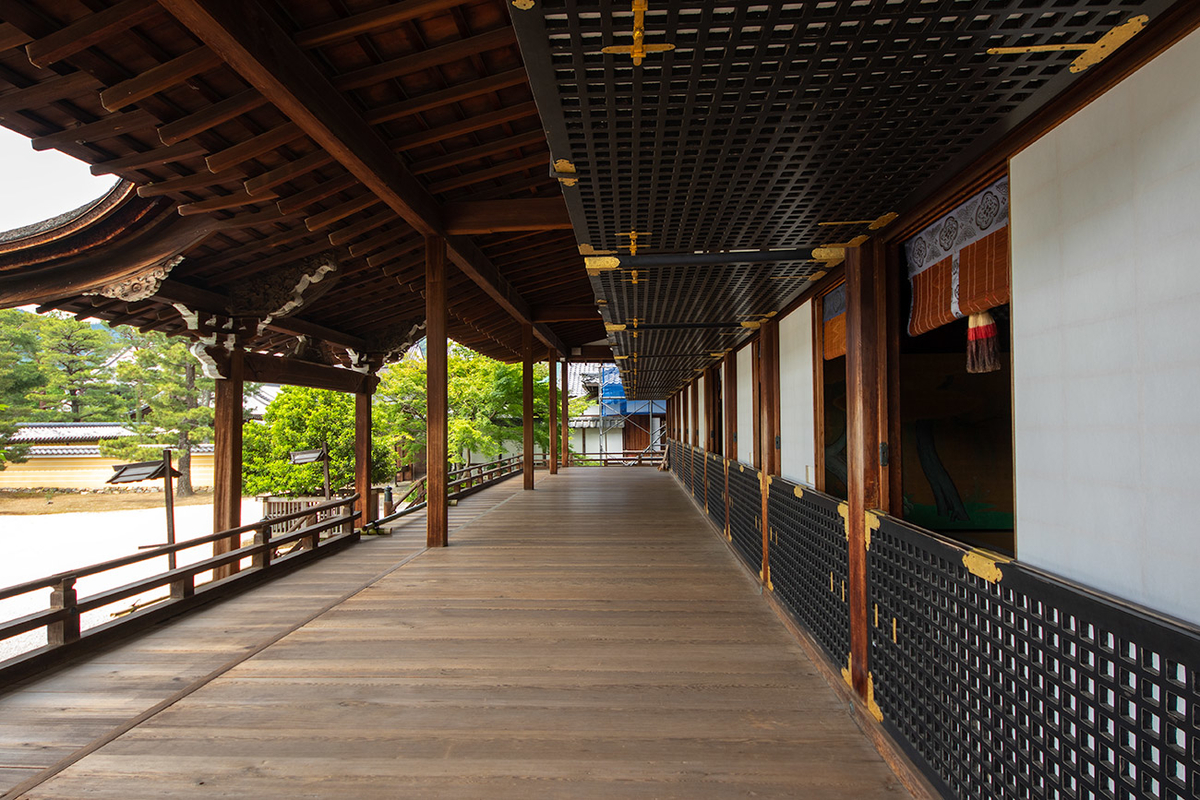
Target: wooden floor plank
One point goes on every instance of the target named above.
(590, 639)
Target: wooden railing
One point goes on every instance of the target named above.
(460, 483)
(622, 458)
(62, 620)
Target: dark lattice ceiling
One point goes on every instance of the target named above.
(766, 119)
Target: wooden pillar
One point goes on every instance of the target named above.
(436, 456)
(683, 415)
(227, 459)
(695, 420)
(731, 439)
(552, 406)
(362, 457)
(527, 387)
(566, 399)
(863, 306)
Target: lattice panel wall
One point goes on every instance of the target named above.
(745, 514)
(809, 562)
(716, 491)
(1028, 687)
(698, 475)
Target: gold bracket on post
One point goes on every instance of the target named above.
(597, 264)
(844, 513)
(848, 670)
(872, 524)
(523, 5)
(1092, 53)
(872, 706)
(564, 172)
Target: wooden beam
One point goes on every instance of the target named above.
(527, 396)
(552, 406)
(389, 16)
(103, 128)
(495, 216)
(188, 183)
(157, 79)
(62, 87)
(486, 150)
(252, 42)
(290, 171)
(221, 203)
(436, 454)
(579, 313)
(500, 170)
(262, 368)
(427, 59)
(254, 147)
(324, 189)
(90, 30)
(471, 124)
(150, 158)
(592, 352)
(227, 459)
(210, 116)
(447, 96)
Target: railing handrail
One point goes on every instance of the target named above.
(488, 473)
(51, 581)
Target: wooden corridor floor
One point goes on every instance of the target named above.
(591, 639)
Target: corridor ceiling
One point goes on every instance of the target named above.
(267, 146)
(764, 123)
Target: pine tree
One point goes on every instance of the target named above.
(76, 361)
(172, 401)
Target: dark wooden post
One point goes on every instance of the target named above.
(566, 398)
(731, 438)
(169, 497)
(552, 407)
(863, 305)
(63, 596)
(695, 421)
(683, 415)
(227, 459)
(768, 396)
(362, 456)
(527, 388)
(436, 455)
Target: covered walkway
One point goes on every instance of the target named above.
(593, 638)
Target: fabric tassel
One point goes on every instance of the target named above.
(983, 350)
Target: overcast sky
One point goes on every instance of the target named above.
(36, 186)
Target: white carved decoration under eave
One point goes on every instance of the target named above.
(386, 344)
(283, 291)
(140, 286)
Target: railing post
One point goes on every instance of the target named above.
(67, 630)
(262, 535)
(183, 588)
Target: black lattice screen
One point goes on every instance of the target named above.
(809, 562)
(745, 514)
(1028, 687)
(716, 491)
(698, 475)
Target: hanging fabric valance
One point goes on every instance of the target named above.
(959, 265)
(833, 307)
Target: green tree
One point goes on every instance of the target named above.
(162, 376)
(300, 418)
(485, 397)
(9, 453)
(20, 372)
(76, 360)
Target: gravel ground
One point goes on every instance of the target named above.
(35, 546)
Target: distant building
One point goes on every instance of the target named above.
(66, 455)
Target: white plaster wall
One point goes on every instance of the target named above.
(798, 444)
(745, 405)
(1106, 354)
